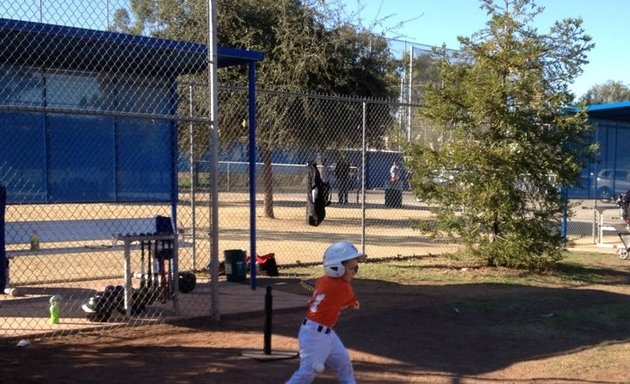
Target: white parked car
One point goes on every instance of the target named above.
(443, 177)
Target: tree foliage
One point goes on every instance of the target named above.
(309, 46)
(609, 92)
(510, 144)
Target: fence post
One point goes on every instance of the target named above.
(192, 180)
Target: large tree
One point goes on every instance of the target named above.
(609, 92)
(511, 139)
(308, 46)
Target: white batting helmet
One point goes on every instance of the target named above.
(336, 254)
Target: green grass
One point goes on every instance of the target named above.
(577, 269)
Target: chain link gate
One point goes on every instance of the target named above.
(89, 122)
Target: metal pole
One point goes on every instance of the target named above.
(363, 166)
(409, 96)
(401, 120)
(252, 173)
(175, 275)
(268, 328)
(192, 181)
(214, 150)
(565, 213)
(595, 221)
(128, 297)
(228, 173)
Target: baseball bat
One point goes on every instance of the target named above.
(308, 285)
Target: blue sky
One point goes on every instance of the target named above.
(437, 22)
(429, 22)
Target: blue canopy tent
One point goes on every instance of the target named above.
(35, 56)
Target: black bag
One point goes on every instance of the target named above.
(270, 267)
(163, 225)
(316, 205)
(267, 263)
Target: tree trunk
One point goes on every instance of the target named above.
(267, 179)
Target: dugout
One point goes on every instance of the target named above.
(103, 93)
(89, 116)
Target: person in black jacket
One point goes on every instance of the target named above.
(342, 172)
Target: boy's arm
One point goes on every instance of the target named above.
(354, 304)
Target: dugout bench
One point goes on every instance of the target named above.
(62, 236)
(159, 281)
(602, 224)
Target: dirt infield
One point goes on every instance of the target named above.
(417, 332)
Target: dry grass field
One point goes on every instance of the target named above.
(387, 233)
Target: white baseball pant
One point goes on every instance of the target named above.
(320, 344)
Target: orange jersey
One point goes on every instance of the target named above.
(331, 295)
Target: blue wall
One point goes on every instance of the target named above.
(58, 157)
(234, 158)
(614, 154)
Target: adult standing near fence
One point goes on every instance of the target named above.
(325, 173)
(394, 176)
(393, 191)
(342, 173)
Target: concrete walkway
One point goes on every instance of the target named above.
(27, 315)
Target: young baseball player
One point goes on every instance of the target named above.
(319, 345)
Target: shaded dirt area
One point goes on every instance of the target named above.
(402, 334)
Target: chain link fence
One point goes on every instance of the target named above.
(88, 122)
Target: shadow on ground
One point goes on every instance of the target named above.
(453, 330)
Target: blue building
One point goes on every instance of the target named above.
(609, 173)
